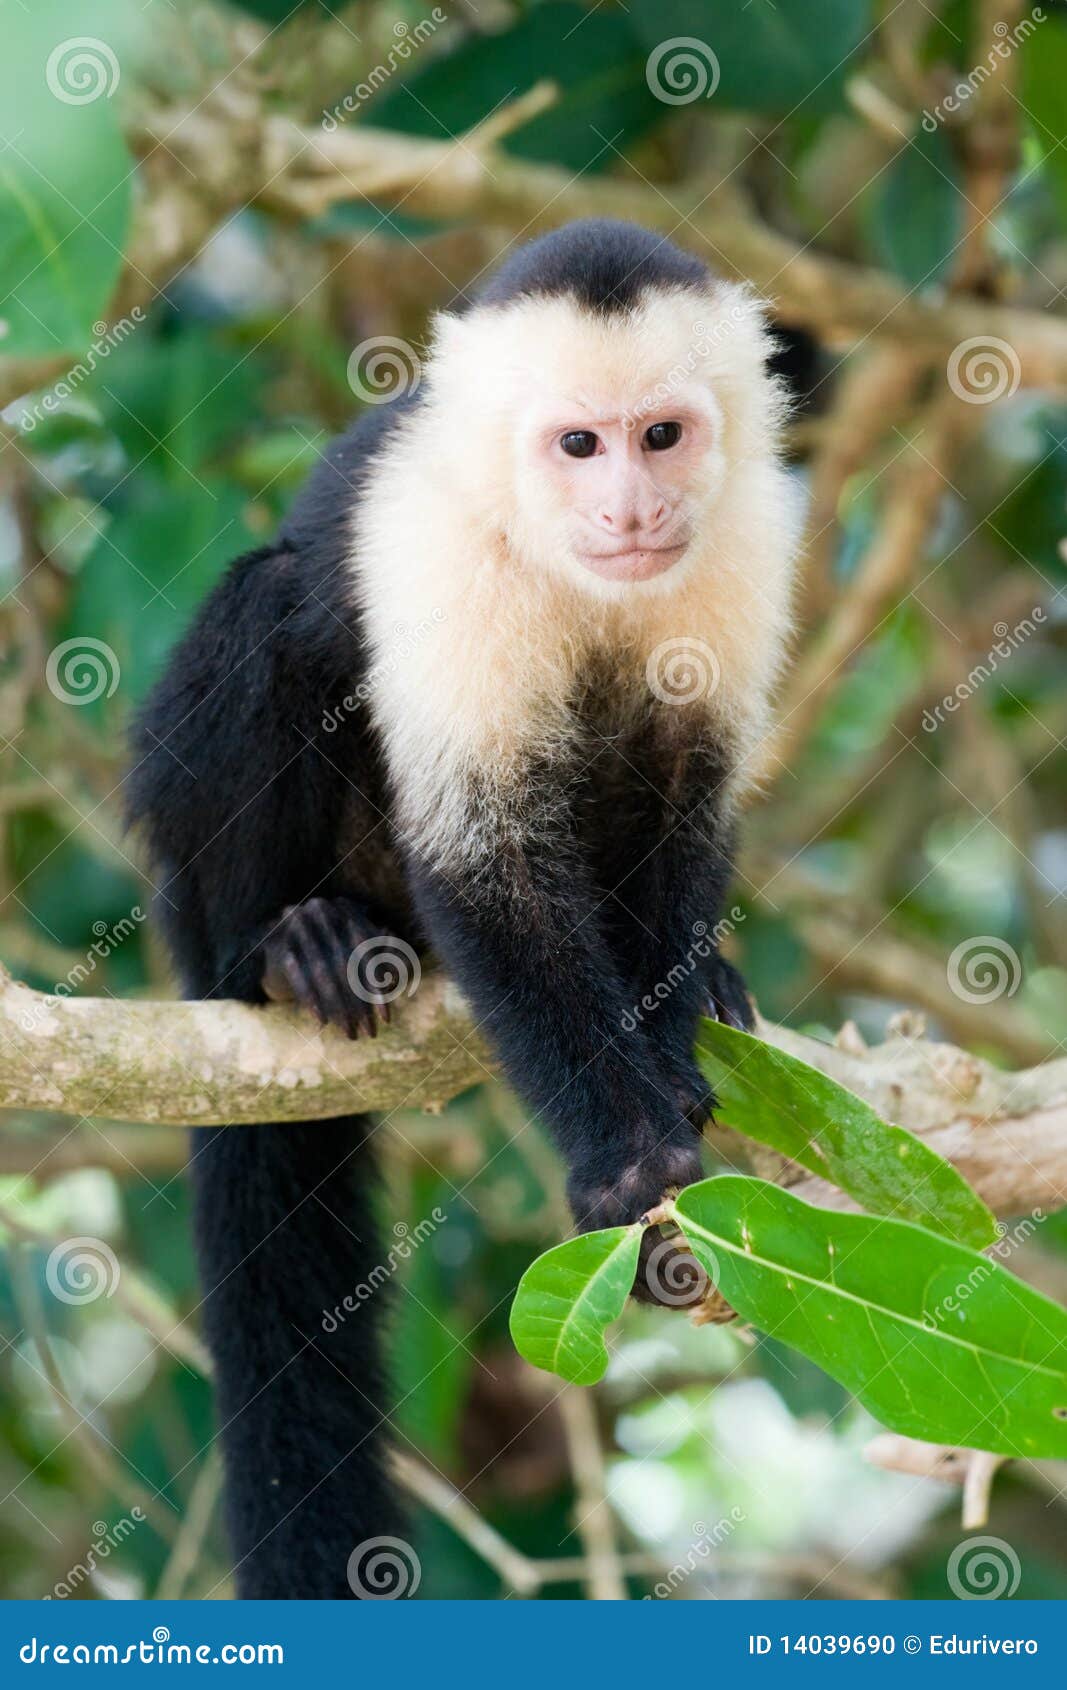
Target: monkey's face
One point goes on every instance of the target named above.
(617, 493)
(601, 443)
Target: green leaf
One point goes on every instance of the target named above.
(936, 1341)
(593, 57)
(918, 210)
(147, 573)
(65, 183)
(778, 1100)
(771, 55)
(569, 1296)
(1043, 77)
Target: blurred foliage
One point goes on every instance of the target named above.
(177, 443)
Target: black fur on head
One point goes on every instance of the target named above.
(605, 265)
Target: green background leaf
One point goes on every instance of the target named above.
(918, 210)
(773, 55)
(594, 58)
(65, 191)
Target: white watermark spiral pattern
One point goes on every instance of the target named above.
(681, 670)
(983, 369)
(674, 1278)
(383, 1569)
(383, 368)
(82, 69)
(984, 968)
(81, 670)
(383, 968)
(82, 1269)
(982, 1569)
(682, 70)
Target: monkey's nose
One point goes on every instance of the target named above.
(632, 519)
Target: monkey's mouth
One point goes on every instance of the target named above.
(635, 564)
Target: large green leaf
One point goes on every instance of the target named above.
(569, 1296)
(918, 210)
(780, 1101)
(770, 55)
(593, 57)
(937, 1341)
(65, 181)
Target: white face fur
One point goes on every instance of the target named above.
(603, 438)
(523, 559)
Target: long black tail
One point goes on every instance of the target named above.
(286, 1232)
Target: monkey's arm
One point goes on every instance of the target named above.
(237, 788)
(522, 936)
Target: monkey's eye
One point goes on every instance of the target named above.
(580, 443)
(662, 436)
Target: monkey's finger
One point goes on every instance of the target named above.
(330, 961)
(331, 924)
(327, 923)
(320, 988)
(337, 931)
(373, 1006)
(292, 969)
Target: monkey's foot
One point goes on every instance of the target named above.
(728, 999)
(311, 957)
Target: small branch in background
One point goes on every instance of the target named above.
(100, 1458)
(192, 1533)
(592, 1510)
(517, 1571)
(142, 1304)
(126, 1152)
(853, 948)
(972, 1469)
(873, 395)
(919, 482)
(990, 141)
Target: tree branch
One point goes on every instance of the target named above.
(222, 1062)
(202, 164)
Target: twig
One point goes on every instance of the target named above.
(592, 1510)
(195, 1525)
(972, 1469)
(202, 164)
(920, 481)
(100, 1458)
(449, 1504)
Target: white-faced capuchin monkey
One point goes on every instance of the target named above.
(582, 511)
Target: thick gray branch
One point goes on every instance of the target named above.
(207, 1063)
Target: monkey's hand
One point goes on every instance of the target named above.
(313, 955)
(666, 1274)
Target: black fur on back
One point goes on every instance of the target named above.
(603, 264)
